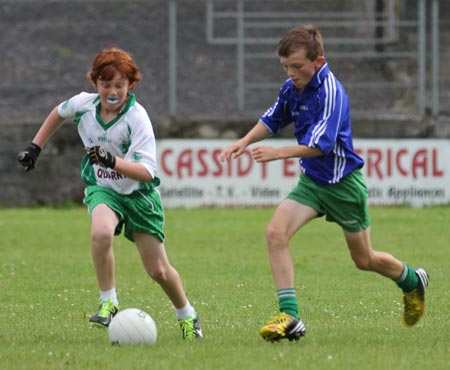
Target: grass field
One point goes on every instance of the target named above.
(353, 318)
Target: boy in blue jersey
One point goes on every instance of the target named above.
(331, 183)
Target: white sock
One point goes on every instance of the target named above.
(106, 295)
(185, 312)
(404, 274)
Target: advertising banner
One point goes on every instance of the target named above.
(412, 172)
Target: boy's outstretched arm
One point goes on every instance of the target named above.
(48, 128)
(266, 154)
(28, 158)
(257, 133)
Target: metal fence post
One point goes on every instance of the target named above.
(421, 57)
(172, 58)
(240, 56)
(435, 60)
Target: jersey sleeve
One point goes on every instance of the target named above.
(77, 104)
(279, 114)
(142, 143)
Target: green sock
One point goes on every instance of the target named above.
(408, 281)
(287, 300)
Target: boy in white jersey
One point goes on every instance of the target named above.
(331, 184)
(119, 170)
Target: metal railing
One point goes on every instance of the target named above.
(378, 41)
(391, 55)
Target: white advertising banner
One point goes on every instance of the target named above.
(414, 172)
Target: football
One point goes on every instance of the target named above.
(132, 326)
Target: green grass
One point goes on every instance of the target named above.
(48, 290)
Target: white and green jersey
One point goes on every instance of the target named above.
(129, 136)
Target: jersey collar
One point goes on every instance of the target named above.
(130, 102)
(320, 75)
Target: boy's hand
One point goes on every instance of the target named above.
(99, 155)
(233, 151)
(29, 157)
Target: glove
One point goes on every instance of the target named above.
(99, 155)
(29, 157)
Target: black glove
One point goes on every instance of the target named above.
(99, 155)
(29, 157)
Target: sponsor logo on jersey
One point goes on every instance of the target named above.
(110, 175)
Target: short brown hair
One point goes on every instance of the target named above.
(303, 37)
(109, 61)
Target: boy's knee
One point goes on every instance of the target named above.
(275, 236)
(158, 275)
(362, 263)
(101, 234)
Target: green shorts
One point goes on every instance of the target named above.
(344, 203)
(140, 211)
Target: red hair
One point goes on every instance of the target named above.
(109, 61)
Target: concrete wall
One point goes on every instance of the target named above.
(48, 46)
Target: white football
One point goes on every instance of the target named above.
(132, 326)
